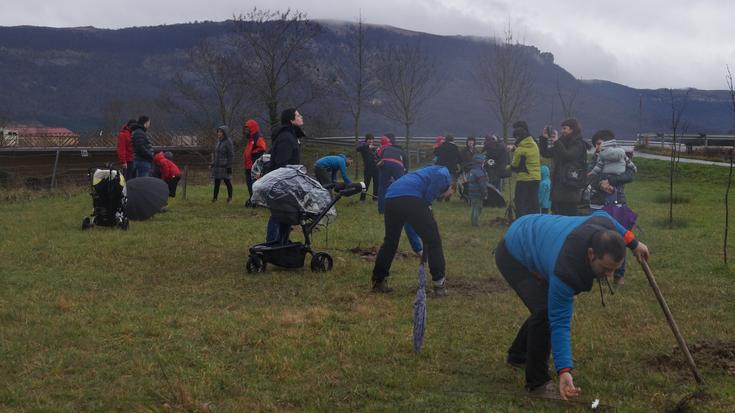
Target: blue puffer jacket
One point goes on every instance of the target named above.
(555, 247)
(426, 183)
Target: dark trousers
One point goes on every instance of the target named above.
(277, 231)
(323, 175)
(370, 175)
(129, 171)
(249, 181)
(532, 344)
(216, 188)
(388, 173)
(173, 183)
(414, 211)
(526, 198)
(564, 208)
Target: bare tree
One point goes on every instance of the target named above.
(505, 78)
(567, 99)
(731, 88)
(678, 106)
(278, 47)
(355, 83)
(113, 117)
(210, 90)
(407, 80)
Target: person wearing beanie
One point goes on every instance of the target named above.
(142, 148)
(222, 163)
(255, 147)
(526, 164)
(569, 172)
(285, 150)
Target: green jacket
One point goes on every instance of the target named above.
(526, 160)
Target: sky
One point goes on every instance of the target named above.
(642, 44)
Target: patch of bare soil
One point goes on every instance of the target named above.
(717, 355)
(499, 222)
(475, 286)
(369, 253)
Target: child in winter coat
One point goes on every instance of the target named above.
(170, 173)
(544, 190)
(477, 188)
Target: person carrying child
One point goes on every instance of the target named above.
(477, 188)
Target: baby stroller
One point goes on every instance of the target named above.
(297, 199)
(108, 199)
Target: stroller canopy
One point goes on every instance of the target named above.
(292, 195)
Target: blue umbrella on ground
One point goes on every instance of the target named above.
(419, 310)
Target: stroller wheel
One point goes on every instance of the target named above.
(86, 223)
(321, 262)
(255, 264)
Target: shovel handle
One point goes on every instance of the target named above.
(672, 322)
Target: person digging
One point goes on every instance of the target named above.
(547, 260)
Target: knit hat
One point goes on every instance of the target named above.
(287, 116)
(438, 141)
(603, 135)
(169, 155)
(143, 119)
(523, 125)
(384, 141)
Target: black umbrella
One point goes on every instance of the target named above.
(494, 197)
(146, 196)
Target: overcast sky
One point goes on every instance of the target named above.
(641, 43)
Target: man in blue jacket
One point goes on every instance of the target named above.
(326, 168)
(547, 260)
(408, 200)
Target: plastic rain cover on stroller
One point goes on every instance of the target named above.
(293, 196)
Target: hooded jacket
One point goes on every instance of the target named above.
(426, 183)
(477, 180)
(167, 168)
(255, 145)
(124, 145)
(223, 156)
(286, 148)
(611, 160)
(555, 248)
(368, 155)
(526, 160)
(447, 154)
(142, 148)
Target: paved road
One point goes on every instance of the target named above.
(682, 160)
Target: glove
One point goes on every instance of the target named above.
(490, 162)
(229, 171)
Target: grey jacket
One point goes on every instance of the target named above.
(222, 159)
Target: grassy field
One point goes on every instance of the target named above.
(163, 317)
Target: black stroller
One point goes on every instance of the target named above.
(293, 254)
(108, 199)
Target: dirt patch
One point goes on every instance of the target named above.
(717, 355)
(475, 286)
(499, 222)
(369, 253)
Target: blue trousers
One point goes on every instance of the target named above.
(142, 168)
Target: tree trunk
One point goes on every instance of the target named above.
(727, 208)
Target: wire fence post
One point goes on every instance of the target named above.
(56, 165)
(186, 180)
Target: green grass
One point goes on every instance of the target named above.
(163, 317)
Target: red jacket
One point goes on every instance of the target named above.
(168, 169)
(255, 146)
(124, 146)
